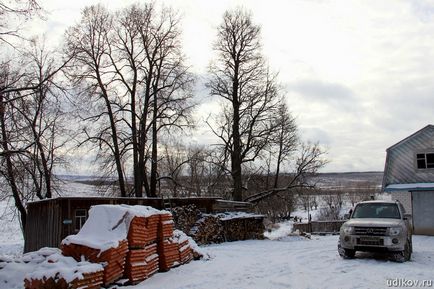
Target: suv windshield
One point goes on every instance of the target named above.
(377, 210)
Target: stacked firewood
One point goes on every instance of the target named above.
(243, 228)
(185, 217)
(207, 230)
(113, 258)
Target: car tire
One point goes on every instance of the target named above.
(346, 253)
(403, 256)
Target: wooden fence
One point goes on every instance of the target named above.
(319, 227)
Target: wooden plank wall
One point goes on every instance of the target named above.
(42, 228)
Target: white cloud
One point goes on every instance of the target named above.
(359, 74)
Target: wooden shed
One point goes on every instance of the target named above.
(50, 221)
(409, 177)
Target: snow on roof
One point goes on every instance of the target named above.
(107, 225)
(409, 187)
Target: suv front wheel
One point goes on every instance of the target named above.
(403, 256)
(346, 253)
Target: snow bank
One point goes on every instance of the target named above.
(237, 215)
(107, 225)
(284, 229)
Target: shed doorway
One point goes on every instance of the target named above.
(423, 212)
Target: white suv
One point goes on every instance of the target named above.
(377, 226)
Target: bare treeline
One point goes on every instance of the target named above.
(129, 70)
(120, 87)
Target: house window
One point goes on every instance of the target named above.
(80, 218)
(425, 161)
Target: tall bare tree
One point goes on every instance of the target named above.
(31, 122)
(134, 64)
(87, 43)
(285, 139)
(241, 78)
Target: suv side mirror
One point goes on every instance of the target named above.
(407, 216)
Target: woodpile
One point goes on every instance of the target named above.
(113, 258)
(185, 217)
(208, 230)
(243, 228)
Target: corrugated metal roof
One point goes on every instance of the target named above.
(409, 187)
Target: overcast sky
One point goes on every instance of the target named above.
(359, 75)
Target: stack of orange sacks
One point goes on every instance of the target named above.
(184, 248)
(113, 258)
(142, 259)
(90, 281)
(185, 252)
(167, 248)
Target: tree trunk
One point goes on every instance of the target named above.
(141, 169)
(114, 136)
(153, 187)
(279, 159)
(9, 167)
(236, 153)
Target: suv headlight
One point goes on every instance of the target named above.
(347, 229)
(394, 231)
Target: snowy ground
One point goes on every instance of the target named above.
(293, 262)
(282, 262)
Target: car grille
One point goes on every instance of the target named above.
(370, 242)
(370, 231)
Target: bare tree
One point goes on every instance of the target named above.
(241, 78)
(12, 13)
(31, 122)
(310, 160)
(87, 43)
(132, 62)
(285, 139)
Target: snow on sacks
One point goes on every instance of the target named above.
(53, 270)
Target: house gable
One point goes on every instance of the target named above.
(401, 162)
